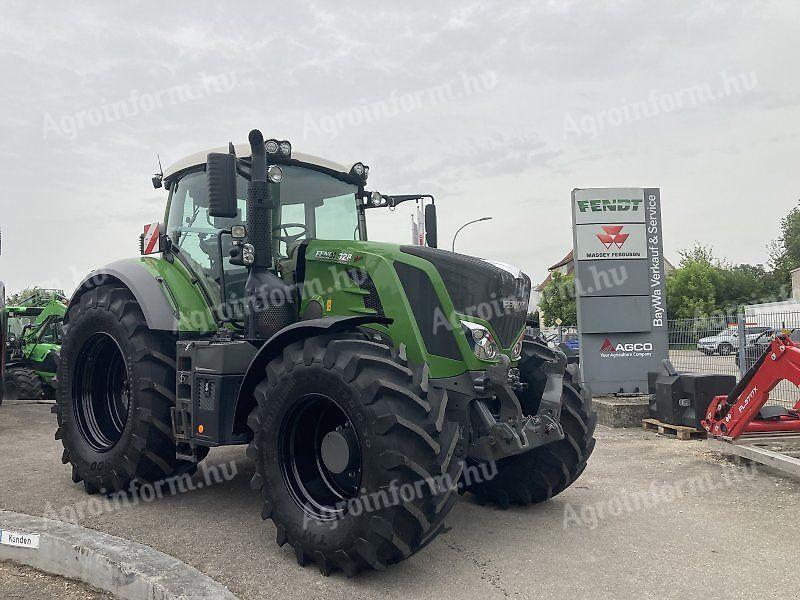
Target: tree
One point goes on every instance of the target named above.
(742, 284)
(558, 300)
(784, 255)
(704, 285)
(691, 291)
(19, 297)
(692, 287)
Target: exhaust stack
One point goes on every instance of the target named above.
(271, 303)
(259, 203)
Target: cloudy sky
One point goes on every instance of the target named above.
(499, 109)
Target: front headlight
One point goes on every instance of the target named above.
(481, 340)
(516, 351)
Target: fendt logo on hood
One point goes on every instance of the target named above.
(612, 236)
(609, 349)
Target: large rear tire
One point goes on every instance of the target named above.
(399, 462)
(541, 473)
(22, 383)
(116, 386)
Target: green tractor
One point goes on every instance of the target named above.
(32, 339)
(372, 383)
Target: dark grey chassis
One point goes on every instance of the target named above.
(486, 403)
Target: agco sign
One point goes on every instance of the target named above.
(609, 349)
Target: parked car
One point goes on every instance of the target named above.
(727, 341)
(756, 347)
(572, 341)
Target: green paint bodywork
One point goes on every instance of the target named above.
(188, 294)
(192, 296)
(326, 262)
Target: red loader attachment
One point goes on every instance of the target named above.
(744, 410)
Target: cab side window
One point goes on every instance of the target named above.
(196, 233)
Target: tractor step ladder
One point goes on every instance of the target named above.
(781, 451)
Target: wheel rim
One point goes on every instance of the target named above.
(101, 392)
(317, 489)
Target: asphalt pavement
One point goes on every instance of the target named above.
(651, 517)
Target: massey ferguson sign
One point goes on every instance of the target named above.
(619, 273)
(611, 241)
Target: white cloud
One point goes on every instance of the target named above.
(500, 152)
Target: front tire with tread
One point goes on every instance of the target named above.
(406, 443)
(22, 383)
(145, 448)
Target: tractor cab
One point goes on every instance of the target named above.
(313, 199)
(311, 204)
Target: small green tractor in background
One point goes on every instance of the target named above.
(32, 331)
(372, 383)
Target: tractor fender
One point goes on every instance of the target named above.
(288, 335)
(147, 290)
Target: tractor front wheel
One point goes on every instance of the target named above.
(22, 383)
(355, 461)
(116, 385)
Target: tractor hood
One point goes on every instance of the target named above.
(489, 290)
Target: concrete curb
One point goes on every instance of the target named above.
(128, 569)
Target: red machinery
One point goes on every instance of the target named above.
(743, 410)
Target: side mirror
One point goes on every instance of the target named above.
(431, 234)
(221, 175)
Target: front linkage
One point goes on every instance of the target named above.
(513, 431)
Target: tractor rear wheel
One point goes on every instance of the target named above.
(116, 385)
(541, 473)
(355, 461)
(22, 383)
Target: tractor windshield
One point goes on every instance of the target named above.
(16, 325)
(312, 205)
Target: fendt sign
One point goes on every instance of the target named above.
(610, 205)
(619, 274)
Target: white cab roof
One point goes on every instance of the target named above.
(243, 150)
